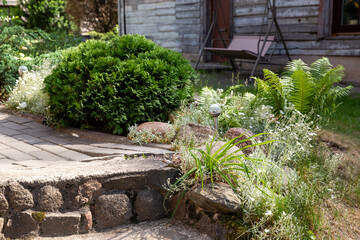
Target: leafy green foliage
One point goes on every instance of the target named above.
(54, 42)
(310, 89)
(13, 41)
(104, 36)
(20, 46)
(48, 15)
(116, 84)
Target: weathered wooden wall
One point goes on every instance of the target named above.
(155, 19)
(299, 22)
(182, 24)
(174, 24)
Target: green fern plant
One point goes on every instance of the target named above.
(310, 89)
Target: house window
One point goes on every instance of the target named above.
(346, 16)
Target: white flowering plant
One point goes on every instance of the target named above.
(28, 94)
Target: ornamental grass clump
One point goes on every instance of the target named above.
(110, 86)
(227, 164)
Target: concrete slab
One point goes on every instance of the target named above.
(66, 171)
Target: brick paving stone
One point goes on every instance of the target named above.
(46, 156)
(72, 155)
(14, 126)
(50, 147)
(24, 147)
(28, 138)
(6, 139)
(56, 140)
(37, 126)
(19, 119)
(3, 146)
(16, 155)
(38, 133)
(8, 131)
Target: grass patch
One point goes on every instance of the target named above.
(346, 119)
(221, 79)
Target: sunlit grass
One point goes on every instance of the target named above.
(346, 119)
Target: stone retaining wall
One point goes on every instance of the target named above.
(79, 205)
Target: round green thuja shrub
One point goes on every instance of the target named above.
(112, 85)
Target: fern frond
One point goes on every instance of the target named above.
(295, 65)
(272, 90)
(301, 95)
(319, 68)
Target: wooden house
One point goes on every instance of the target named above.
(311, 28)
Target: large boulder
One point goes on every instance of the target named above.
(192, 132)
(217, 198)
(217, 145)
(149, 205)
(112, 210)
(4, 205)
(19, 197)
(244, 133)
(158, 128)
(49, 199)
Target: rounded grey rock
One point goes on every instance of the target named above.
(49, 199)
(149, 205)
(112, 210)
(4, 205)
(19, 197)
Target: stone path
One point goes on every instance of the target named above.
(36, 155)
(25, 143)
(153, 230)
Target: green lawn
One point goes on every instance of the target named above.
(346, 119)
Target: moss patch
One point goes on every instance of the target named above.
(38, 216)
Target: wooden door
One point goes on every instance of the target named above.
(224, 22)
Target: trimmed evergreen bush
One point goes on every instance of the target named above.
(112, 85)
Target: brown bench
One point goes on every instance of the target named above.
(245, 47)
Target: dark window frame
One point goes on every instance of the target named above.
(336, 27)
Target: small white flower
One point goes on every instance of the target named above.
(268, 213)
(266, 230)
(22, 105)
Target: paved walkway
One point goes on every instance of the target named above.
(25, 143)
(152, 230)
